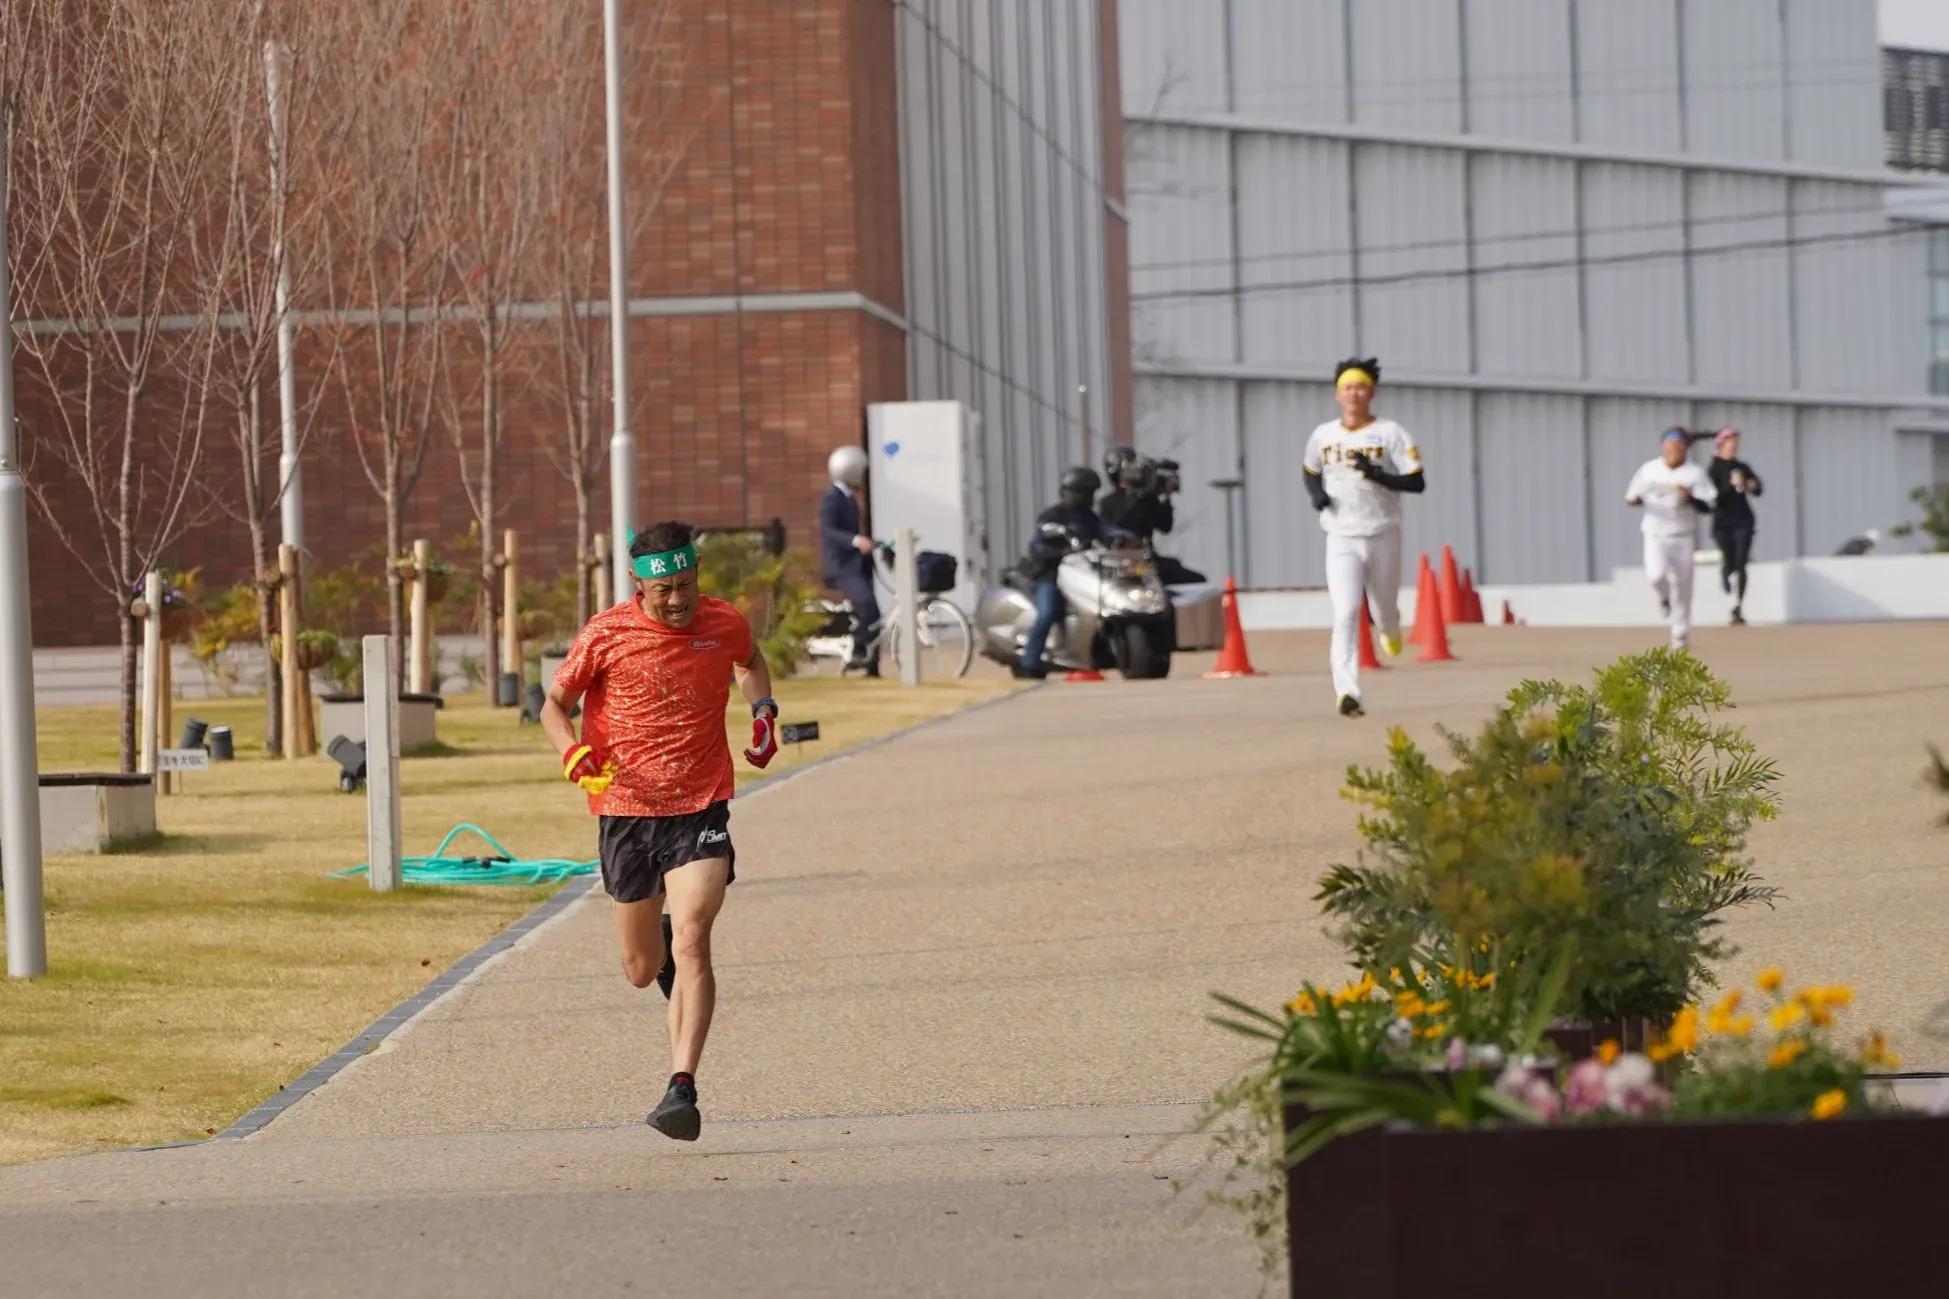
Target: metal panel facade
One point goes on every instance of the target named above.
(1194, 422)
(1003, 218)
(1621, 237)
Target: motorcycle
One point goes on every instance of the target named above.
(1118, 612)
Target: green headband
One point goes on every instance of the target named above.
(663, 563)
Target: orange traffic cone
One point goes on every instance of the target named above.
(1233, 661)
(1508, 615)
(1471, 602)
(1426, 604)
(1084, 674)
(1451, 588)
(1434, 645)
(1368, 660)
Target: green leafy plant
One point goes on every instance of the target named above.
(229, 619)
(1612, 817)
(773, 591)
(1934, 502)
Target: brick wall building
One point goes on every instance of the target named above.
(770, 291)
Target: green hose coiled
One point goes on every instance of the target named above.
(502, 867)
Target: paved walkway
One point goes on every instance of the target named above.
(957, 1051)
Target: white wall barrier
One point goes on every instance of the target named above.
(1863, 588)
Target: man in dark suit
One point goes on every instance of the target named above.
(846, 551)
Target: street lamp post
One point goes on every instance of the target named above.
(20, 784)
(291, 507)
(622, 447)
(1231, 487)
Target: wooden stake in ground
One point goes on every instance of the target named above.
(510, 617)
(421, 658)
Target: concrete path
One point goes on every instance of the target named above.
(958, 1050)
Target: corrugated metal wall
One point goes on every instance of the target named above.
(1003, 217)
(1265, 245)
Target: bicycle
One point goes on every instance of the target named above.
(945, 632)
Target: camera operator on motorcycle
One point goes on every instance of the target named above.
(1060, 529)
(1139, 503)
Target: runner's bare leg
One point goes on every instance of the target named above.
(695, 893)
(639, 930)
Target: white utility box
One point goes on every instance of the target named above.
(927, 473)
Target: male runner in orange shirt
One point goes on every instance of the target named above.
(653, 675)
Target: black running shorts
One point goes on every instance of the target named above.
(638, 851)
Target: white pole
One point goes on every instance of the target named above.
(906, 579)
(152, 674)
(20, 784)
(381, 766)
(291, 509)
(622, 447)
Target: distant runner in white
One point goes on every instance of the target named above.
(1356, 469)
(1673, 492)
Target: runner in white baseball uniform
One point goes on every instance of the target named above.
(1356, 469)
(1673, 492)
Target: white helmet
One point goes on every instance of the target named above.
(847, 466)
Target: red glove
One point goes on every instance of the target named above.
(764, 742)
(584, 765)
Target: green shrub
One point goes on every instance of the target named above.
(1611, 818)
(770, 590)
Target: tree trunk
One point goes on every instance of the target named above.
(585, 590)
(395, 589)
(260, 563)
(129, 625)
(490, 582)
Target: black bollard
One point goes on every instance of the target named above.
(223, 747)
(194, 728)
(507, 693)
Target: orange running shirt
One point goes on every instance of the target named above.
(653, 700)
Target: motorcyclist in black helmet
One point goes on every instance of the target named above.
(1069, 525)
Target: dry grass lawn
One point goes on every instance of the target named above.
(190, 978)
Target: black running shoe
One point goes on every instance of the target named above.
(666, 978)
(675, 1116)
(1738, 618)
(1350, 707)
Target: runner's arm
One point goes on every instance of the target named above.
(555, 723)
(754, 678)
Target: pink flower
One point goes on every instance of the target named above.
(1587, 1090)
(1540, 1095)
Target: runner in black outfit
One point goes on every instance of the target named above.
(1732, 518)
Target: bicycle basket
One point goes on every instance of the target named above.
(934, 571)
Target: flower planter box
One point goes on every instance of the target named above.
(342, 714)
(89, 811)
(1762, 1207)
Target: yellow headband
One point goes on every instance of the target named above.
(1354, 374)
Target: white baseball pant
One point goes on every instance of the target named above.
(1668, 567)
(1357, 566)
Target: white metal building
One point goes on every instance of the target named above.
(1562, 226)
(1009, 252)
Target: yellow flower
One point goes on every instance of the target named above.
(1875, 1052)
(1409, 1005)
(1684, 1035)
(1435, 1007)
(1831, 998)
(1728, 1003)
(1608, 1051)
(1769, 979)
(1434, 1030)
(1821, 1015)
(1660, 1052)
(1830, 1103)
(1302, 1005)
(1487, 980)
(1786, 1053)
(1739, 1025)
(1785, 1017)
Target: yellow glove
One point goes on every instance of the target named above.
(583, 766)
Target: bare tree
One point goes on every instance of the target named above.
(488, 220)
(106, 150)
(260, 230)
(571, 255)
(387, 283)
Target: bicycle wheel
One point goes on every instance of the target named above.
(946, 639)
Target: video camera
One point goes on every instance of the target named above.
(1128, 467)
